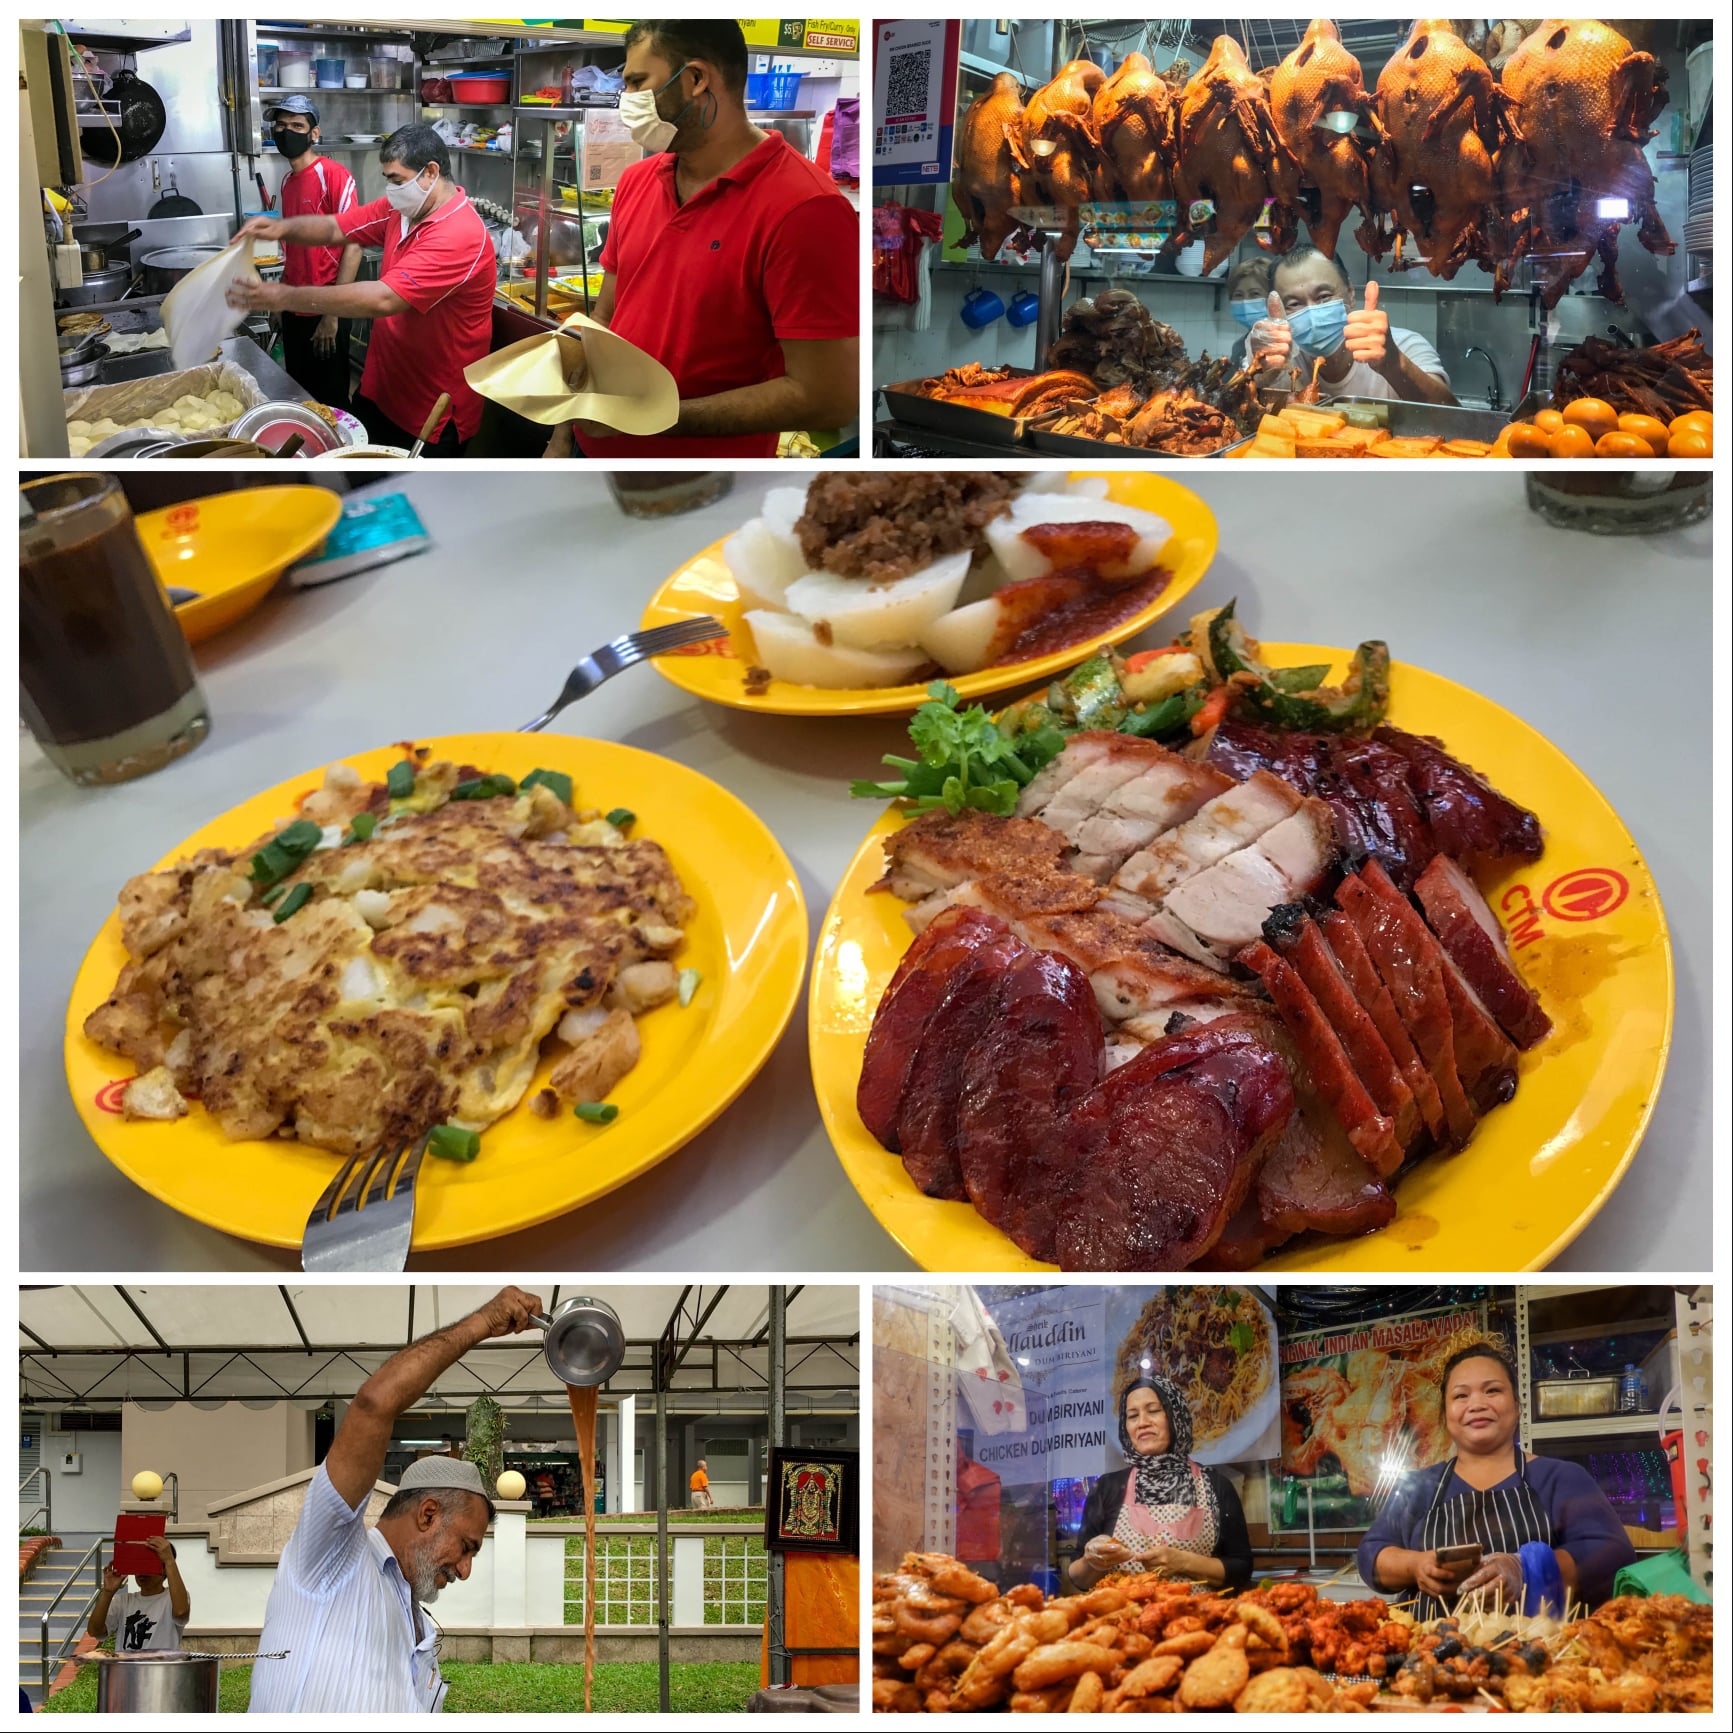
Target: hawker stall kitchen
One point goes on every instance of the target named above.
(362, 216)
(1427, 241)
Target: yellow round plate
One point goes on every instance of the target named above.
(1589, 936)
(232, 547)
(717, 670)
(748, 939)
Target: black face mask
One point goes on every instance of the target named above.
(292, 144)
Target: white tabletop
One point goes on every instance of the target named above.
(1601, 644)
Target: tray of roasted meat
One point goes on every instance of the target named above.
(990, 405)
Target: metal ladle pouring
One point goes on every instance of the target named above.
(584, 1341)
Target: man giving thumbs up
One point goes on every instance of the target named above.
(1312, 314)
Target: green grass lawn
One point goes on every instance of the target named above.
(525, 1687)
(647, 1518)
(626, 1579)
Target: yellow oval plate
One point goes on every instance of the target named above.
(233, 547)
(1589, 936)
(748, 939)
(717, 670)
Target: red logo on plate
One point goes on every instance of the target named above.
(1585, 895)
(181, 520)
(708, 647)
(108, 1096)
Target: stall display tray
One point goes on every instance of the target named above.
(906, 403)
(1406, 420)
(1105, 451)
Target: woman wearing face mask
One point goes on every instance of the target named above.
(315, 346)
(730, 258)
(1165, 1512)
(1491, 1495)
(1248, 296)
(431, 306)
(1311, 315)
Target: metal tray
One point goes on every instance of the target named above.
(1104, 451)
(1407, 420)
(906, 403)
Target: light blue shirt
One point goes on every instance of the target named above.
(341, 1606)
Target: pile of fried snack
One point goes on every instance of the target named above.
(945, 1640)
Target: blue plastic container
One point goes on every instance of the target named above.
(773, 92)
(328, 74)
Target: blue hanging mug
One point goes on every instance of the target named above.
(981, 307)
(1023, 309)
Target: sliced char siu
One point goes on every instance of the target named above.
(1042, 1051)
(1361, 973)
(1485, 1060)
(927, 1124)
(1370, 1131)
(1415, 977)
(1164, 1152)
(1470, 820)
(1294, 936)
(914, 994)
(1474, 941)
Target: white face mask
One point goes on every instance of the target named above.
(644, 122)
(408, 198)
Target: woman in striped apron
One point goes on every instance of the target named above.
(1492, 1495)
(1166, 1512)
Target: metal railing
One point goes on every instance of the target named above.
(51, 1663)
(45, 1507)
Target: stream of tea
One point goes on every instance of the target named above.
(583, 1401)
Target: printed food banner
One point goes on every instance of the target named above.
(1218, 1344)
(1058, 1341)
(1361, 1407)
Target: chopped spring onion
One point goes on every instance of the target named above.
(400, 780)
(689, 980)
(454, 1143)
(485, 788)
(297, 899)
(622, 818)
(556, 780)
(361, 827)
(275, 894)
(597, 1112)
(285, 851)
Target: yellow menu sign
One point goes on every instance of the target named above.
(815, 35)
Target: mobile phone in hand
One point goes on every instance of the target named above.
(1462, 1558)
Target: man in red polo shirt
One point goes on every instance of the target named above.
(432, 305)
(315, 349)
(730, 258)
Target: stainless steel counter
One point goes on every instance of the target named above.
(242, 351)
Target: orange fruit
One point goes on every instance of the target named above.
(1656, 432)
(1572, 441)
(1550, 420)
(1526, 441)
(1687, 442)
(1501, 445)
(1593, 415)
(1623, 445)
(1698, 419)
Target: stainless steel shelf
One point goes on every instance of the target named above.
(1594, 1426)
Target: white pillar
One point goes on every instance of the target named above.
(688, 1579)
(626, 1446)
(511, 1563)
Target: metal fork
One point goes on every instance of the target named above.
(615, 658)
(362, 1222)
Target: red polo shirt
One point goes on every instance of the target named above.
(766, 253)
(444, 268)
(320, 188)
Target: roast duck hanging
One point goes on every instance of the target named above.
(1532, 149)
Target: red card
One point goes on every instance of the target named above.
(132, 1558)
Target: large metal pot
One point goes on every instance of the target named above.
(160, 1684)
(98, 288)
(585, 1341)
(165, 267)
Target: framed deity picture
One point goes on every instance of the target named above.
(813, 1501)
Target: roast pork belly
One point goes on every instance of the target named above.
(1171, 790)
(1165, 1151)
(915, 992)
(1232, 820)
(1078, 782)
(939, 850)
(1218, 912)
(1042, 1051)
(1474, 941)
(1370, 1132)
(1414, 975)
(1471, 821)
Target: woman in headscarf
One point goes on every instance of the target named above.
(1493, 1499)
(1165, 1512)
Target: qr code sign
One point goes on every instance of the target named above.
(909, 74)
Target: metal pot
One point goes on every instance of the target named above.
(163, 1684)
(98, 287)
(98, 253)
(165, 267)
(84, 372)
(271, 423)
(137, 442)
(585, 1340)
